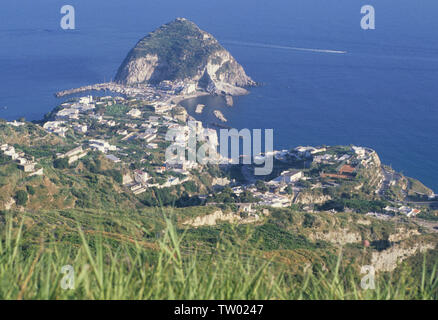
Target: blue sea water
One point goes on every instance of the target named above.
(382, 93)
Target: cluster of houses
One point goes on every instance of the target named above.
(364, 155)
(178, 87)
(57, 127)
(101, 145)
(180, 135)
(346, 163)
(71, 110)
(145, 91)
(149, 134)
(321, 155)
(273, 199)
(147, 131)
(24, 162)
(269, 199)
(68, 117)
(141, 183)
(330, 158)
(404, 210)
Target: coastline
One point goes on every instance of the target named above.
(142, 91)
(149, 91)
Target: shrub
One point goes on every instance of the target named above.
(116, 175)
(261, 186)
(60, 163)
(309, 220)
(30, 190)
(21, 197)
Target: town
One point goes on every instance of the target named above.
(130, 132)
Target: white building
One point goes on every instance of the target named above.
(160, 108)
(308, 151)
(345, 157)
(360, 152)
(80, 128)
(148, 137)
(122, 132)
(73, 152)
(86, 100)
(152, 146)
(171, 181)
(140, 176)
(50, 125)
(112, 158)
(409, 212)
(131, 125)
(101, 145)
(326, 158)
(154, 120)
(189, 89)
(60, 131)
(97, 117)
(56, 127)
(27, 167)
(15, 123)
(289, 176)
(67, 113)
(134, 113)
(281, 155)
(11, 152)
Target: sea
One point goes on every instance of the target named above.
(324, 80)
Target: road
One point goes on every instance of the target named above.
(432, 226)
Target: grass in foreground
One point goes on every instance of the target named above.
(107, 270)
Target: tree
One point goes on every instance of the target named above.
(247, 197)
(116, 175)
(30, 190)
(261, 186)
(305, 184)
(289, 190)
(21, 197)
(60, 163)
(187, 201)
(190, 186)
(309, 220)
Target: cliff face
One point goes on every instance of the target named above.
(219, 216)
(388, 260)
(180, 51)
